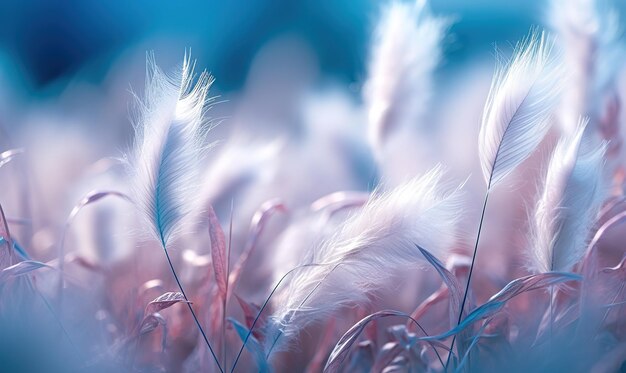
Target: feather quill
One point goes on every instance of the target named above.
(517, 112)
(169, 143)
(405, 53)
(571, 197)
(367, 248)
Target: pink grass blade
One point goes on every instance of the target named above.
(257, 225)
(218, 253)
(338, 201)
(88, 199)
(7, 255)
(250, 310)
(164, 301)
(151, 322)
(438, 296)
(612, 222)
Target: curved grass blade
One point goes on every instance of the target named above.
(7, 255)
(499, 300)
(252, 344)
(151, 322)
(21, 268)
(88, 199)
(342, 348)
(257, 225)
(7, 156)
(164, 301)
(454, 286)
(218, 253)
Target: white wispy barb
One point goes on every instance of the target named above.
(169, 143)
(405, 52)
(572, 194)
(368, 249)
(588, 32)
(516, 116)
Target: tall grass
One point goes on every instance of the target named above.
(281, 254)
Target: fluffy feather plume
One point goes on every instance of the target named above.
(568, 205)
(516, 116)
(588, 32)
(370, 246)
(406, 51)
(169, 143)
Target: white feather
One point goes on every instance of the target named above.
(516, 115)
(588, 31)
(368, 250)
(406, 51)
(572, 194)
(169, 143)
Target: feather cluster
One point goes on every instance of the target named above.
(572, 194)
(169, 143)
(405, 53)
(517, 112)
(368, 248)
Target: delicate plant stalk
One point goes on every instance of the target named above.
(551, 316)
(471, 270)
(195, 318)
(169, 145)
(86, 200)
(617, 295)
(265, 303)
(225, 300)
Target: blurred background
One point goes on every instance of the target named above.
(289, 87)
(70, 71)
(47, 45)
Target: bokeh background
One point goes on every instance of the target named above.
(47, 45)
(70, 71)
(289, 78)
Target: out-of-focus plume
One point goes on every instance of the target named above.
(567, 208)
(588, 31)
(405, 52)
(367, 248)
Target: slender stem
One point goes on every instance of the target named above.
(469, 276)
(551, 316)
(280, 333)
(619, 292)
(258, 316)
(180, 286)
(51, 310)
(225, 302)
(319, 283)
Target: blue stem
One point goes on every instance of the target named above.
(180, 286)
(469, 277)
